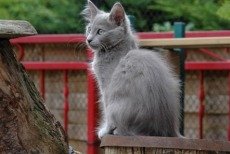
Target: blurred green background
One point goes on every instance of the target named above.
(63, 16)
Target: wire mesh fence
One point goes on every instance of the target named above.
(54, 88)
(216, 98)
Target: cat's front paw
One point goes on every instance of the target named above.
(102, 132)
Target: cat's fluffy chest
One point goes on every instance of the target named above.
(103, 67)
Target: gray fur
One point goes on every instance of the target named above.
(139, 92)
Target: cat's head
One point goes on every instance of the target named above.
(105, 30)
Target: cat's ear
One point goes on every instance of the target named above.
(117, 14)
(90, 11)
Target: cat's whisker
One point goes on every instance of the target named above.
(78, 49)
(115, 44)
(104, 47)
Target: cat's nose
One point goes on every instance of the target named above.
(89, 40)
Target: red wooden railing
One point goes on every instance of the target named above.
(205, 66)
(92, 95)
(229, 106)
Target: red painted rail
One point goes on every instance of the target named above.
(229, 106)
(78, 38)
(47, 38)
(55, 65)
(92, 94)
(201, 105)
(219, 65)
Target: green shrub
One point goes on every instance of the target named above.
(63, 16)
(47, 16)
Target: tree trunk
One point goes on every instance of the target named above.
(26, 126)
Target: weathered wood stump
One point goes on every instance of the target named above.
(161, 145)
(26, 126)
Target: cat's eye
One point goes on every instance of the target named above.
(100, 31)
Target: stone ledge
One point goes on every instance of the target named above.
(15, 28)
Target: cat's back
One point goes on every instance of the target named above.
(143, 68)
(143, 54)
(145, 82)
(143, 60)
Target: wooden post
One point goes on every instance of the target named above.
(179, 32)
(26, 126)
(113, 144)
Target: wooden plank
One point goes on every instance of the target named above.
(138, 150)
(118, 150)
(15, 28)
(165, 142)
(187, 42)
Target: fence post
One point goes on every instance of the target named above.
(179, 32)
(92, 111)
(228, 106)
(132, 20)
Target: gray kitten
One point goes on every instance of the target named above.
(139, 92)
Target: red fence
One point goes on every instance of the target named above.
(221, 64)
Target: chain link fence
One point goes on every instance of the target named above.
(216, 98)
(54, 86)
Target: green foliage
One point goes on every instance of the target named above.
(159, 15)
(204, 14)
(139, 9)
(167, 26)
(224, 10)
(63, 16)
(47, 16)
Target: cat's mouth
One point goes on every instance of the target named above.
(92, 46)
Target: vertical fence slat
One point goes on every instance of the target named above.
(21, 51)
(92, 146)
(229, 106)
(66, 103)
(42, 83)
(201, 104)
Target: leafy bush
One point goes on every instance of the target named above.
(224, 10)
(205, 15)
(167, 26)
(63, 16)
(47, 16)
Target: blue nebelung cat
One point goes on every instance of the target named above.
(139, 92)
